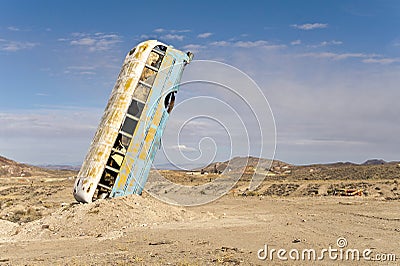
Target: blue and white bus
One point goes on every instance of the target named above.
(124, 146)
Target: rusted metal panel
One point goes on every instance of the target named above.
(123, 148)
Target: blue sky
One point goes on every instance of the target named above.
(329, 69)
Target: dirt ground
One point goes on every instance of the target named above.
(42, 225)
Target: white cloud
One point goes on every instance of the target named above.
(182, 147)
(310, 26)
(13, 46)
(296, 42)
(81, 67)
(193, 47)
(94, 42)
(383, 61)
(147, 37)
(365, 58)
(173, 37)
(204, 35)
(335, 56)
(326, 43)
(42, 94)
(13, 28)
(80, 70)
(84, 41)
(220, 43)
(51, 135)
(248, 44)
(180, 31)
(87, 73)
(161, 30)
(165, 34)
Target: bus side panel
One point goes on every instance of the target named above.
(152, 141)
(159, 123)
(132, 166)
(107, 131)
(145, 143)
(149, 162)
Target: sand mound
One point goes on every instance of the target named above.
(104, 218)
(6, 227)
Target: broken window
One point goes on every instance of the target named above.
(105, 185)
(155, 60)
(141, 92)
(161, 49)
(122, 143)
(148, 76)
(129, 125)
(136, 108)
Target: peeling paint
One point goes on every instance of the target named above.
(105, 175)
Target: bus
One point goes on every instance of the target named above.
(129, 134)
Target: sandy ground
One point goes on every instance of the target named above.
(41, 225)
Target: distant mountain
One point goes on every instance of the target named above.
(337, 164)
(239, 163)
(61, 167)
(10, 168)
(374, 162)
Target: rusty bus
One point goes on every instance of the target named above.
(124, 146)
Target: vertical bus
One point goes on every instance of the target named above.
(124, 146)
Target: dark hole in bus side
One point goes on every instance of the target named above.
(122, 143)
(136, 108)
(169, 101)
(129, 125)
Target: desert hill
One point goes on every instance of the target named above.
(374, 162)
(10, 168)
(29, 192)
(237, 164)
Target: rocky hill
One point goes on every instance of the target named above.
(10, 168)
(237, 164)
(374, 162)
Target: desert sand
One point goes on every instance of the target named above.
(41, 224)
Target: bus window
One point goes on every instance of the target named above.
(129, 125)
(160, 49)
(115, 160)
(105, 184)
(141, 93)
(148, 76)
(136, 108)
(155, 60)
(122, 143)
